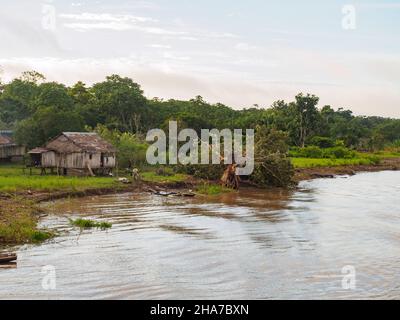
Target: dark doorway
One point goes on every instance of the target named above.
(102, 160)
(36, 159)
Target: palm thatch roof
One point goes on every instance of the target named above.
(71, 142)
(6, 141)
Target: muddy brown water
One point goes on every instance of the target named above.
(249, 245)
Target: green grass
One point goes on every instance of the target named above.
(382, 154)
(154, 177)
(311, 163)
(52, 183)
(38, 236)
(18, 222)
(212, 189)
(13, 179)
(361, 158)
(90, 224)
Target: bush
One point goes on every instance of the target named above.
(201, 171)
(339, 153)
(395, 144)
(318, 153)
(307, 152)
(272, 166)
(275, 170)
(322, 142)
(374, 159)
(131, 150)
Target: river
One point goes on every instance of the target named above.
(329, 239)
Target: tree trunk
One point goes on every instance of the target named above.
(229, 178)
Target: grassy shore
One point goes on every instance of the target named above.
(18, 222)
(212, 189)
(312, 162)
(152, 176)
(19, 215)
(13, 179)
(361, 159)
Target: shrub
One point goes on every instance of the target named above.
(272, 166)
(318, 153)
(322, 142)
(339, 153)
(274, 170)
(208, 171)
(307, 152)
(131, 149)
(374, 159)
(395, 144)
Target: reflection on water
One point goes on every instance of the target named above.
(252, 244)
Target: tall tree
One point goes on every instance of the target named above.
(121, 102)
(306, 116)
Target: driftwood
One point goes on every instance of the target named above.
(323, 175)
(188, 194)
(164, 193)
(8, 265)
(7, 257)
(123, 180)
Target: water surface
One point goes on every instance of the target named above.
(249, 245)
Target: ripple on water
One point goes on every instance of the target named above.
(251, 244)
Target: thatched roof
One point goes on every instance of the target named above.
(38, 150)
(6, 141)
(70, 142)
(80, 142)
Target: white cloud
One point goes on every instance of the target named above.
(160, 46)
(160, 31)
(173, 56)
(188, 38)
(120, 26)
(226, 35)
(115, 22)
(244, 47)
(106, 17)
(116, 26)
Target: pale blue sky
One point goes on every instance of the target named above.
(235, 52)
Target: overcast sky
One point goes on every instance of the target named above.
(236, 52)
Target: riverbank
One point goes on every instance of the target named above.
(21, 192)
(302, 174)
(18, 222)
(307, 234)
(19, 210)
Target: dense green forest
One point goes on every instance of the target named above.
(38, 110)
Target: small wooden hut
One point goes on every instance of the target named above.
(10, 151)
(76, 153)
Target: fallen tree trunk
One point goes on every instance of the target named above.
(8, 257)
(229, 178)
